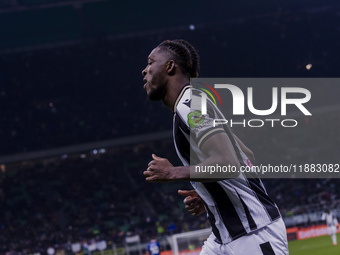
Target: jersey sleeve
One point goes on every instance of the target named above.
(203, 126)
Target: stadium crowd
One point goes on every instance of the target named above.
(57, 202)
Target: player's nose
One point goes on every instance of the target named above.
(144, 71)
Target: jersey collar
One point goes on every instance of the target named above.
(180, 95)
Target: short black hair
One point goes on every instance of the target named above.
(184, 54)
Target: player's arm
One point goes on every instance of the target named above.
(245, 149)
(219, 151)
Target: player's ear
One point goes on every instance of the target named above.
(170, 66)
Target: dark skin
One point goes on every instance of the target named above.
(193, 202)
(164, 80)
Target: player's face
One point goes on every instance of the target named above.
(155, 75)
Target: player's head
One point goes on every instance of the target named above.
(184, 55)
(169, 59)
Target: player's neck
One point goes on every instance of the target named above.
(174, 88)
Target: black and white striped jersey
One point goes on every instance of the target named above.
(235, 207)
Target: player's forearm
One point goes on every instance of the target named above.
(182, 173)
(245, 149)
(222, 160)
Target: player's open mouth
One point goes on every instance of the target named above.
(145, 81)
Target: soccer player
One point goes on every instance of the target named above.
(332, 224)
(153, 247)
(243, 218)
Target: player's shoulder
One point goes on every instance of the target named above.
(183, 102)
(188, 100)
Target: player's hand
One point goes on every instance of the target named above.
(159, 170)
(193, 202)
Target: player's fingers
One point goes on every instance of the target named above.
(152, 168)
(190, 200)
(185, 200)
(192, 205)
(147, 173)
(187, 192)
(150, 179)
(195, 208)
(155, 179)
(152, 162)
(183, 192)
(195, 212)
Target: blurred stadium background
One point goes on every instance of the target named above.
(77, 131)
